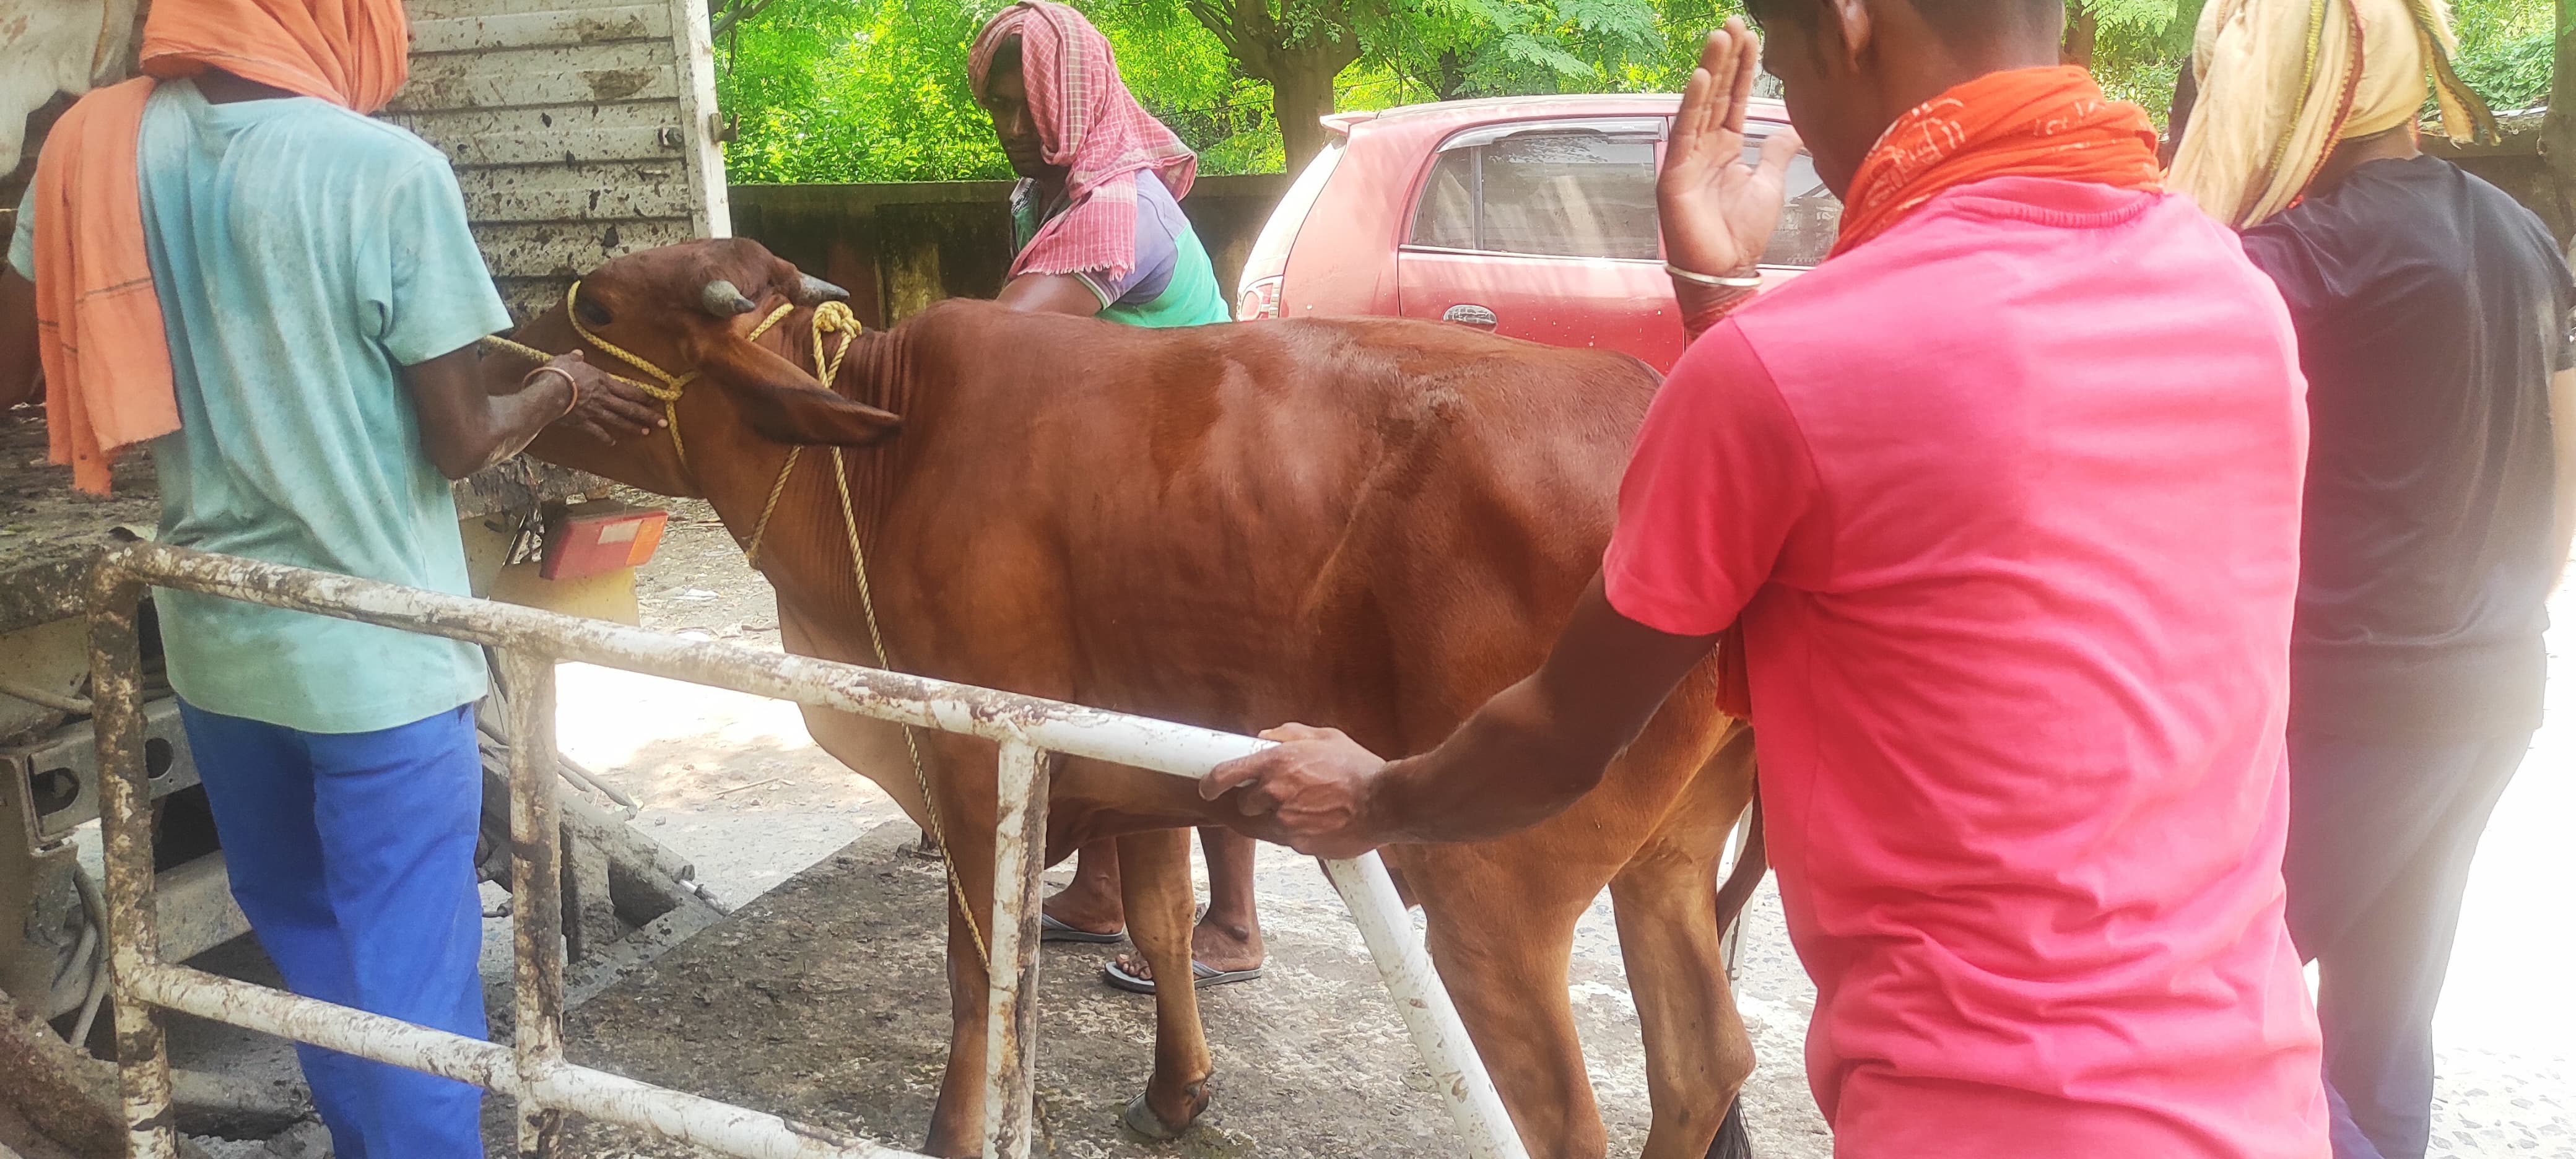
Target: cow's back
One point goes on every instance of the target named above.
(1237, 525)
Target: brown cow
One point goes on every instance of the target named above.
(1376, 524)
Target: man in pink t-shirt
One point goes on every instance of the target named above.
(2004, 499)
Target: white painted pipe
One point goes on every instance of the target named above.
(1456, 1069)
(1011, 994)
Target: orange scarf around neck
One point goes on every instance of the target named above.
(2031, 122)
(99, 328)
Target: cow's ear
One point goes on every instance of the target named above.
(782, 404)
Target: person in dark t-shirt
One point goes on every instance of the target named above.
(2432, 313)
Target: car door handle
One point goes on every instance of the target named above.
(1469, 314)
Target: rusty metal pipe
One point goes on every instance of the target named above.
(1011, 1016)
(125, 820)
(536, 889)
(1006, 718)
(96, 907)
(44, 698)
(1053, 725)
(674, 1115)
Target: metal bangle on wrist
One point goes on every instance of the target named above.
(569, 381)
(1752, 281)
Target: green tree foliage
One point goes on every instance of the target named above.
(827, 90)
(2505, 47)
(2141, 46)
(875, 90)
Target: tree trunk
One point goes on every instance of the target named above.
(1302, 93)
(2078, 47)
(2558, 131)
(1300, 74)
(1451, 77)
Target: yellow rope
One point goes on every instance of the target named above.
(531, 353)
(912, 748)
(751, 554)
(830, 317)
(672, 384)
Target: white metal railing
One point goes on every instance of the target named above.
(532, 1069)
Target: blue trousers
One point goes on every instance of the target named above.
(353, 856)
(2381, 836)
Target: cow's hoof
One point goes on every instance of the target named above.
(1142, 1120)
(1732, 1141)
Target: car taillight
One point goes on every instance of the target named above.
(1259, 300)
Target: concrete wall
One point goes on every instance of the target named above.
(579, 129)
(2512, 165)
(898, 247)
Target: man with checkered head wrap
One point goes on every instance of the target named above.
(1097, 230)
(1097, 225)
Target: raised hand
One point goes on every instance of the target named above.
(1718, 212)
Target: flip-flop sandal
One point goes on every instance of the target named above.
(1115, 973)
(1051, 930)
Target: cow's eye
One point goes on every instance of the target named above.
(591, 312)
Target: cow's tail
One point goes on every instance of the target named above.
(1748, 870)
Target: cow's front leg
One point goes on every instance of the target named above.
(957, 1121)
(1156, 868)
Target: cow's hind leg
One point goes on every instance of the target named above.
(1502, 934)
(1697, 1052)
(1159, 899)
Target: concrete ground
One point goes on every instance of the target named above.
(823, 999)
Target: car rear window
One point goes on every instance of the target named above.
(1552, 192)
(1269, 257)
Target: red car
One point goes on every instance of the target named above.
(1533, 217)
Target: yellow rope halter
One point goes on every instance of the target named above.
(829, 318)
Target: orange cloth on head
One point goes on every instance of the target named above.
(98, 315)
(2032, 122)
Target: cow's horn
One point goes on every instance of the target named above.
(815, 291)
(723, 300)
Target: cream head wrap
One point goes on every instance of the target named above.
(2281, 82)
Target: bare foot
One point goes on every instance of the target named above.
(1088, 905)
(1225, 947)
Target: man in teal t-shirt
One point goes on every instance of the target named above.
(322, 295)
